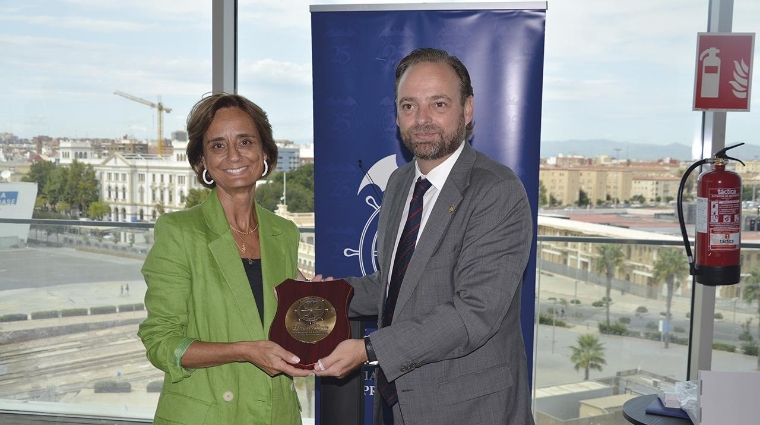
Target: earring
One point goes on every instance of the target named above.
(206, 180)
(266, 168)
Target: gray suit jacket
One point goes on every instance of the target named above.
(455, 348)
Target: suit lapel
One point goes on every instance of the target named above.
(437, 224)
(272, 248)
(227, 259)
(394, 200)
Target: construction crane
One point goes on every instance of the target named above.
(161, 109)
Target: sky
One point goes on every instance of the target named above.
(620, 70)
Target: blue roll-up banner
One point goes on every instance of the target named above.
(355, 50)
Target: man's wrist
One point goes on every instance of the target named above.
(371, 357)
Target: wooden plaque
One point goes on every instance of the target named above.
(311, 318)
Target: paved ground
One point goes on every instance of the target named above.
(43, 267)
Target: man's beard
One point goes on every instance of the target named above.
(447, 143)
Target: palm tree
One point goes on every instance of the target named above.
(610, 257)
(670, 267)
(751, 293)
(589, 354)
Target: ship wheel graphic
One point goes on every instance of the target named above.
(311, 309)
(366, 252)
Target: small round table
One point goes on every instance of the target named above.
(635, 411)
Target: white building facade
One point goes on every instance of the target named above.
(140, 187)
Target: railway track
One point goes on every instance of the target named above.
(58, 366)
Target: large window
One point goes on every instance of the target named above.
(61, 63)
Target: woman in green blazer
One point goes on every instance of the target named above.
(210, 277)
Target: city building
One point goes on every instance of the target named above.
(306, 252)
(81, 150)
(562, 184)
(656, 189)
(288, 155)
(140, 187)
(180, 135)
(609, 184)
(307, 154)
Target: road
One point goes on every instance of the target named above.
(726, 330)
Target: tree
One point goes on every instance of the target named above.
(269, 193)
(63, 207)
(97, 210)
(81, 187)
(70, 189)
(542, 200)
(299, 191)
(55, 185)
(76, 184)
(196, 196)
(588, 354)
(87, 187)
(583, 198)
(302, 176)
(300, 199)
(40, 203)
(39, 173)
(610, 258)
(670, 267)
(552, 200)
(751, 293)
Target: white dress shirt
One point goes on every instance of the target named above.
(437, 177)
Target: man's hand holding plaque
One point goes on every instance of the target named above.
(311, 318)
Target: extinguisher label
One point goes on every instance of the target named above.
(723, 218)
(702, 215)
(724, 241)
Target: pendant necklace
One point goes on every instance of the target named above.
(242, 247)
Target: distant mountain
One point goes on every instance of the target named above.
(634, 151)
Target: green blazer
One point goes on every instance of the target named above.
(198, 290)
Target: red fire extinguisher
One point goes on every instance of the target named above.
(718, 222)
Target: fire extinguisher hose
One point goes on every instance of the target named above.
(679, 208)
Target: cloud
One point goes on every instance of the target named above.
(165, 10)
(33, 42)
(619, 31)
(81, 23)
(269, 71)
(563, 89)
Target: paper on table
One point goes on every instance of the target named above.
(657, 408)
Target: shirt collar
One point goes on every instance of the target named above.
(440, 173)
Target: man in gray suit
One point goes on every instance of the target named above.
(448, 345)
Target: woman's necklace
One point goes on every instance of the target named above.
(255, 228)
(242, 247)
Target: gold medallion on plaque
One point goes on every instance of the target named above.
(310, 319)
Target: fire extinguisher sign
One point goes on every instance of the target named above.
(723, 71)
(719, 215)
